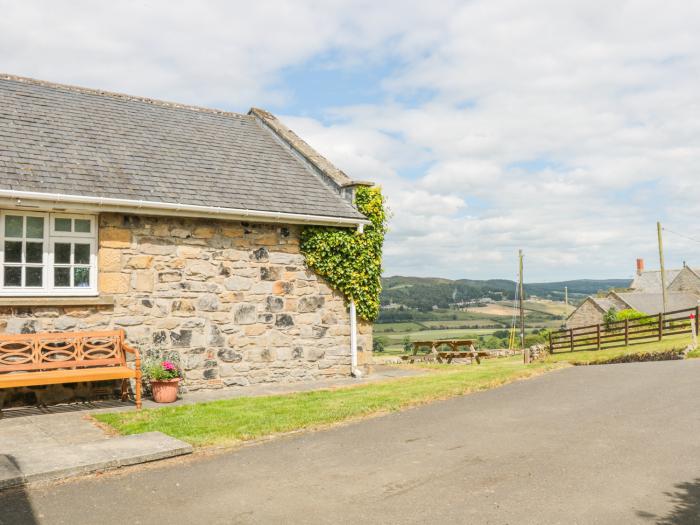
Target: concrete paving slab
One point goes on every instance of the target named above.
(60, 461)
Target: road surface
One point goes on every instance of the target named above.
(598, 444)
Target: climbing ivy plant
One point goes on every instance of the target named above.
(351, 261)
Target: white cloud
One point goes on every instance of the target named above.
(563, 128)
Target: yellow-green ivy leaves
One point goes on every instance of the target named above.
(351, 261)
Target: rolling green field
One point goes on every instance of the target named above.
(429, 335)
(483, 321)
(461, 323)
(388, 328)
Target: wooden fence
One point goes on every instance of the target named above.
(624, 333)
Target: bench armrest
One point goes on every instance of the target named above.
(137, 356)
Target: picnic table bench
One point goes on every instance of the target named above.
(442, 356)
(68, 357)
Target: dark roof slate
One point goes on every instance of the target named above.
(75, 141)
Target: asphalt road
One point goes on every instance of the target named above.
(599, 444)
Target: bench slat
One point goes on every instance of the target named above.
(55, 377)
(49, 365)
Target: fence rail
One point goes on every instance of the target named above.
(624, 333)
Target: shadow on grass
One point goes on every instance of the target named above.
(686, 506)
(15, 505)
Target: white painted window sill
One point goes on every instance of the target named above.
(100, 300)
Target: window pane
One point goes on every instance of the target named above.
(61, 276)
(13, 251)
(35, 252)
(61, 253)
(13, 226)
(34, 276)
(81, 254)
(62, 225)
(81, 277)
(82, 225)
(35, 227)
(13, 276)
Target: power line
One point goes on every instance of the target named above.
(682, 235)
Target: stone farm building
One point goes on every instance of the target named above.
(644, 295)
(177, 223)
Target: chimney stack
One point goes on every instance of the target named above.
(640, 266)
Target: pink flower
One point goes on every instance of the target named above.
(167, 365)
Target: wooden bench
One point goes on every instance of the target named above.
(68, 357)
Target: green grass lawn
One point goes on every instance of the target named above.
(593, 356)
(227, 422)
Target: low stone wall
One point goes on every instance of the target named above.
(234, 300)
(665, 355)
(538, 352)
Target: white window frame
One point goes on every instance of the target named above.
(51, 236)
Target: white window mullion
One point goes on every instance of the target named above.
(82, 237)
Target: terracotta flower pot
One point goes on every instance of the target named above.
(165, 391)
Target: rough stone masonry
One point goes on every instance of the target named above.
(235, 300)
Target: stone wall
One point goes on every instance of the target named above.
(586, 314)
(234, 300)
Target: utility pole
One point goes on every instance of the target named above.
(526, 352)
(566, 298)
(661, 264)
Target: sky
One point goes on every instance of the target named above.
(566, 129)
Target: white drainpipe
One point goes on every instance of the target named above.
(356, 372)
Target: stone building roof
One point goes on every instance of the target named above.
(603, 303)
(67, 140)
(650, 281)
(652, 303)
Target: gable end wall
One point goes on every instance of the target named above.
(586, 314)
(685, 281)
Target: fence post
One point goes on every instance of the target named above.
(571, 339)
(598, 334)
(551, 348)
(627, 332)
(661, 326)
(697, 320)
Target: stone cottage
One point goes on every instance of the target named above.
(644, 295)
(180, 225)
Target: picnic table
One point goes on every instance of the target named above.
(442, 356)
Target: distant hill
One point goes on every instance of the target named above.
(425, 292)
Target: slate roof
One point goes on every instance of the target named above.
(652, 303)
(76, 141)
(650, 281)
(603, 303)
